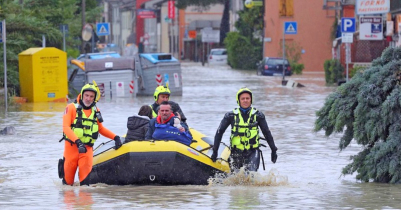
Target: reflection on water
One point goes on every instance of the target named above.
(306, 175)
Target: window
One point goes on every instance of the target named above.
(276, 62)
(286, 8)
(218, 52)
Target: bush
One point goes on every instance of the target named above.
(297, 68)
(333, 70)
(241, 53)
(356, 69)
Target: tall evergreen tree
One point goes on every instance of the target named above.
(368, 110)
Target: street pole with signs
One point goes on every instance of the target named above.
(3, 39)
(289, 28)
(348, 27)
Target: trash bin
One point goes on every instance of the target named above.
(155, 69)
(43, 74)
(115, 77)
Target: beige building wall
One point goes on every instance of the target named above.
(314, 28)
(193, 13)
(164, 40)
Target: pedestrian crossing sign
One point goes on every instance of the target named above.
(290, 28)
(103, 29)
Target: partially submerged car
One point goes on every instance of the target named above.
(274, 66)
(217, 56)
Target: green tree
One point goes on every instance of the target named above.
(368, 110)
(27, 22)
(244, 47)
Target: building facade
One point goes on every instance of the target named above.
(313, 30)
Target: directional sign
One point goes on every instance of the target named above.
(290, 28)
(348, 25)
(103, 29)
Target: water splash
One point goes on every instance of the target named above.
(249, 178)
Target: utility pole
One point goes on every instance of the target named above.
(263, 30)
(83, 24)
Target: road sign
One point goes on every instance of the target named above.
(192, 34)
(290, 28)
(347, 37)
(348, 25)
(63, 28)
(103, 29)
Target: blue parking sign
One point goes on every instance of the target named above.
(348, 25)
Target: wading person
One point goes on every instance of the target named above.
(245, 122)
(82, 123)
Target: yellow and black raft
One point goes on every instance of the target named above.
(162, 162)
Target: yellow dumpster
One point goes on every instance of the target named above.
(43, 74)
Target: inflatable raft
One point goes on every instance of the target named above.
(158, 162)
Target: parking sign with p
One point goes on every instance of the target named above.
(348, 25)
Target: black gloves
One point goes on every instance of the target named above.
(214, 156)
(81, 146)
(118, 142)
(274, 156)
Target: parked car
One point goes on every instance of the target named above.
(217, 56)
(274, 66)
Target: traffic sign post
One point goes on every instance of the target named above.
(64, 30)
(347, 57)
(348, 27)
(289, 28)
(3, 39)
(103, 29)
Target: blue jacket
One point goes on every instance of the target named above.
(168, 132)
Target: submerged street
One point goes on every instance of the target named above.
(307, 173)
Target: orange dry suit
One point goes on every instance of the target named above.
(72, 158)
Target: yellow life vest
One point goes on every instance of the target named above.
(245, 135)
(153, 111)
(86, 128)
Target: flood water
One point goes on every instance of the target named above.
(306, 175)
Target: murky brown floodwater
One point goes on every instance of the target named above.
(307, 173)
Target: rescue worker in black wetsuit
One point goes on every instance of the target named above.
(245, 140)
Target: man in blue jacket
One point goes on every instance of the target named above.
(166, 126)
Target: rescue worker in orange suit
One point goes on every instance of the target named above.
(245, 122)
(82, 123)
